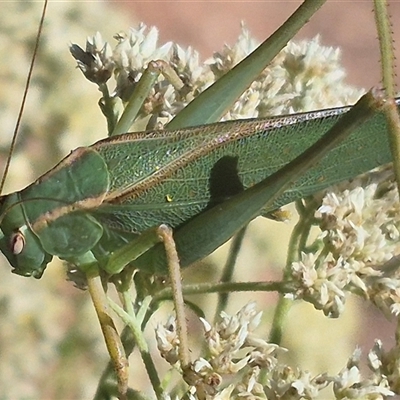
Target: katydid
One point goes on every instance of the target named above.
(145, 172)
(102, 197)
(205, 181)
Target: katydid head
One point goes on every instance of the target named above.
(30, 235)
(18, 242)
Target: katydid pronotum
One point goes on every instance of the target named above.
(53, 213)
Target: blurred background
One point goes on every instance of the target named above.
(48, 331)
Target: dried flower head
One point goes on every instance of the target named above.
(288, 383)
(95, 62)
(167, 341)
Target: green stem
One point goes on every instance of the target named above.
(229, 268)
(202, 288)
(131, 321)
(139, 95)
(306, 213)
(384, 30)
(129, 343)
(297, 242)
(107, 105)
(141, 92)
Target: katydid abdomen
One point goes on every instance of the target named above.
(120, 186)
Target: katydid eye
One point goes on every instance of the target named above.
(17, 242)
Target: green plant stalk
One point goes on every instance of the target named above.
(227, 272)
(129, 342)
(146, 81)
(226, 287)
(382, 19)
(130, 320)
(296, 243)
(108, 107)
(140, 93)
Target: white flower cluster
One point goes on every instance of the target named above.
(304, 76)
(232, 351)
(360, 233)
(167, 341)
(238, 364)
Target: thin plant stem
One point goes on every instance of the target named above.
(229, 267)
(384, 30)
(130, 320)
(202, 288)
(108, 107)
(142, 90)
(129, 343)
(297, 239)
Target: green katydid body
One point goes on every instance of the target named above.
(101, 197)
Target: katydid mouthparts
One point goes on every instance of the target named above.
(102, 197)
